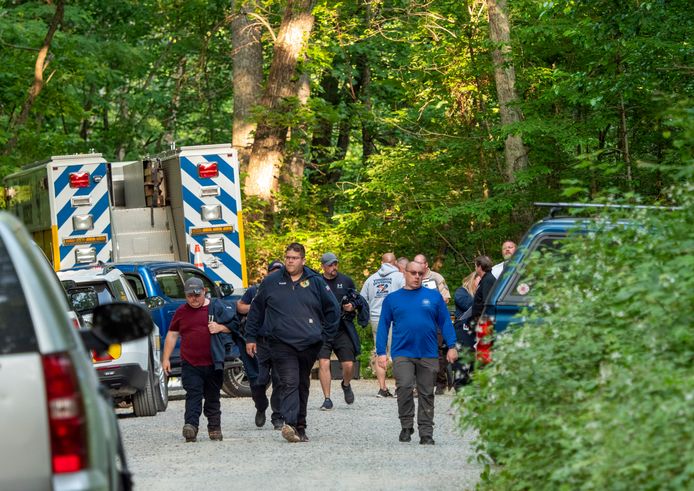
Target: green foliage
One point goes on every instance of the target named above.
(596, 390)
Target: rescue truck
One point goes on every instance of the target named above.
(181, 205)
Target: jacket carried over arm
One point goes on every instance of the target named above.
(222, 342)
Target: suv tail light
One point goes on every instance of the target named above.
(101, 357)
(79, 179)
(65, 414)
(483, 334)
(208, 170)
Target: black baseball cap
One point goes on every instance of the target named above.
(274, 265)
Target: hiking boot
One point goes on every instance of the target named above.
(277, 424)
(327, 405)
(289, 433)
(384, 393)
(303, 437)
(426, 440)
(260, 419)
(349, 394)
(215, 433)
(190, 433)
(406, 435)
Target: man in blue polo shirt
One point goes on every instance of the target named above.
(415, 314)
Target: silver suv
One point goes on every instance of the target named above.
(132, 371)
(58, 427)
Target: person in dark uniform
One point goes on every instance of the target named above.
(346, 344)
(265, 371)
(299, 313)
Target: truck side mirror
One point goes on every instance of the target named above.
(116, 323)
(226, 289)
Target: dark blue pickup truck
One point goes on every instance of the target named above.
(160, 286)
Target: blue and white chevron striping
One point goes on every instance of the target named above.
(98, 208)
(228, 265)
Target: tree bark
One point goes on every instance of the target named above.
(170, 123)
(270, 136)
(247, 62)
(38, 83)
(293, 172)
(367, 127)
(505, 77)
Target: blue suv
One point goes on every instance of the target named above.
(160, 286)
(513, 291)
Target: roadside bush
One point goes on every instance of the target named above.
(596, 391)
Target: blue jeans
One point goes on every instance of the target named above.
(202, 383)
(294, 369)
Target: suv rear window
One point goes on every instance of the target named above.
(16, 329)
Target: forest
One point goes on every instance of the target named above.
(414, 126)
(427, 126)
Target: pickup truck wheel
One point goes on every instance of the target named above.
(144, 401)
(236, 382)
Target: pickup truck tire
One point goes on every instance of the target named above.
(236, 383)
(144, 401)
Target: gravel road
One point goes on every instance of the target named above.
(351, 447)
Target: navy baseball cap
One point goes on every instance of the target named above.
(193, 286)
(274, 265)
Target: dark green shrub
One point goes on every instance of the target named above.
(598, 392)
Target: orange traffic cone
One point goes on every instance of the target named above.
(198, 257)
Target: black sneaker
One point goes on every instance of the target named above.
(327, 405)
(289, 433)
(260, 419)
(426, 440)
(384, 393)
(349, 394)
(190, 433)
(406, 435)
(277, 424)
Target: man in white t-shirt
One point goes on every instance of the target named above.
(508, 248)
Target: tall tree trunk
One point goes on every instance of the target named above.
(169, 136)
(270, 137)
(38, 83)
(505, 78)
(247, 75)
(293, 172)
(367, 133)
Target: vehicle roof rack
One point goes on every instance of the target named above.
(557, 207)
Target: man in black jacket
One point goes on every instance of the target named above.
(483, 268)
(298, 313)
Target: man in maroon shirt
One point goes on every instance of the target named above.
(200, 375)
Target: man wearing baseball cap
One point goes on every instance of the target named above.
(203, 326)
(265, 371)
(346, 344)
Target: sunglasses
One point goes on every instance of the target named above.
(416, 273)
